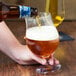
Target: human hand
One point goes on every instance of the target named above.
(22, 55)
(19, 53)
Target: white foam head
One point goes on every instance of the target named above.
(42, 33)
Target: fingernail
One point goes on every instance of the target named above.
(43, 62)
(57, 62)
(51, 62)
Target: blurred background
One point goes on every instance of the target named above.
(70, 6)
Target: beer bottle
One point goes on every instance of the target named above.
(20, 11)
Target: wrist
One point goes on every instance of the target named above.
(13, 45)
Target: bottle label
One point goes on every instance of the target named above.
(24, 11)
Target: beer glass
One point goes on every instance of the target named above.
(42, 38)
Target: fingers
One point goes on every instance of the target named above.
(36, 58)
(39, 60)
(51, 61)
(21, 62)
(31, 58)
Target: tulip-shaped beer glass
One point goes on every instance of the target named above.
(42, 38)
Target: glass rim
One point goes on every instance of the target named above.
(41, 15)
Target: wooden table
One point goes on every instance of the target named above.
(66, 53)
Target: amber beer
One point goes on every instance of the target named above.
(42, 40)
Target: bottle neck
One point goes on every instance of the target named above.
(24, 11)
(20, 12)
(11, 12)
(27, 11)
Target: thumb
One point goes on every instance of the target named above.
(39, 60)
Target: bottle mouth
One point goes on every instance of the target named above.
(34, 12)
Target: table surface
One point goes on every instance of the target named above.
(66, 53)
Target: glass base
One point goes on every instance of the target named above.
(49, 69)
